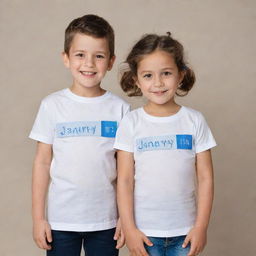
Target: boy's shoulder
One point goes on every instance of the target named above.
(114, 97)
(65, 94)
(54, 96)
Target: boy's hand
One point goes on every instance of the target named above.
(119, 235)
(42, 234)
(197, 238)
(135, 240)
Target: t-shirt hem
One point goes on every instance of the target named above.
(41, 138)
(122, 147)
(166, 233)
(82, 227)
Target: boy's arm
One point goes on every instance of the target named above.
(135, 239)
(197, 236)
(40, 182)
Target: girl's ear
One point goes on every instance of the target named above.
(182, 74)
(111, 63)
(135, 79)
(65, 59)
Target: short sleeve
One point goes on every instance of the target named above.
(127, 109)
(124, 135)
(43, 129)
(204, 139)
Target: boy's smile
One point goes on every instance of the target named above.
(88, 61)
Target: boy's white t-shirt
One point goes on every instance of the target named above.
(83, 171)
(164, 150)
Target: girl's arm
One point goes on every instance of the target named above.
(40, 182)
(197, 236)
(135, 239)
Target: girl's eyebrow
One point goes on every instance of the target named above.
(147, 71)
(168, 68)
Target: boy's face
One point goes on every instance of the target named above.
(88, 61)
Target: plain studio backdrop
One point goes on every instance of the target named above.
(219, 40)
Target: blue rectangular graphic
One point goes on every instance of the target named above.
(156, 143)
(87, 128)
(167, 142)
(108, 129)
(184, 141)
(74, 129)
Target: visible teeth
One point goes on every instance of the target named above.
(87, 73)
(160, 92)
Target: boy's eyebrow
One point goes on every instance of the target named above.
(95, 51)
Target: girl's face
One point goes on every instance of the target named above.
(158, 77)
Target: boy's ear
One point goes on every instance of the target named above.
(111, 62)
(65, 59)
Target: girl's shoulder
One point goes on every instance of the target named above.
(193, 113)
(133, 115)
(195, 117)
(131, 118)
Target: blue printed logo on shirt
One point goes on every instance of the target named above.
(184, 141)
(167, 142)
(87, 128)
(108, 129)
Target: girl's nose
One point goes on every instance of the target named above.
(158, 82)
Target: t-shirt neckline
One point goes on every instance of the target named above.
(161, 119)
(78, 98)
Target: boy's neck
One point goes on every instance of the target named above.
(87, 92)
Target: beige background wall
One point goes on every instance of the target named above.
(219, 38)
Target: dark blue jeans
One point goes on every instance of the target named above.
(168, 246)
(96, 243)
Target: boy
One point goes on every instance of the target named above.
(75, 130)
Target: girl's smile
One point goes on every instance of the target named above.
(158, 77)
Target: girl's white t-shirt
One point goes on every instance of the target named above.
(164, 150)
(82, 194)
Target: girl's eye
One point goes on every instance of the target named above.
(167, 73)
(147, 76)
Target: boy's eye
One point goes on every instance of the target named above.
(99, 56)
(80, 55)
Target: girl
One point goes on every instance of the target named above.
(163, 147)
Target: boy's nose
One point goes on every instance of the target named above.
(89, 61)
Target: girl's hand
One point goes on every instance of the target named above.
(119, 235)
(135, 240)
(197, 238)
(42, 234)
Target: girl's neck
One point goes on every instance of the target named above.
(167, 109)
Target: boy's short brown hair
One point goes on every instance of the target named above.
(91, 25)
